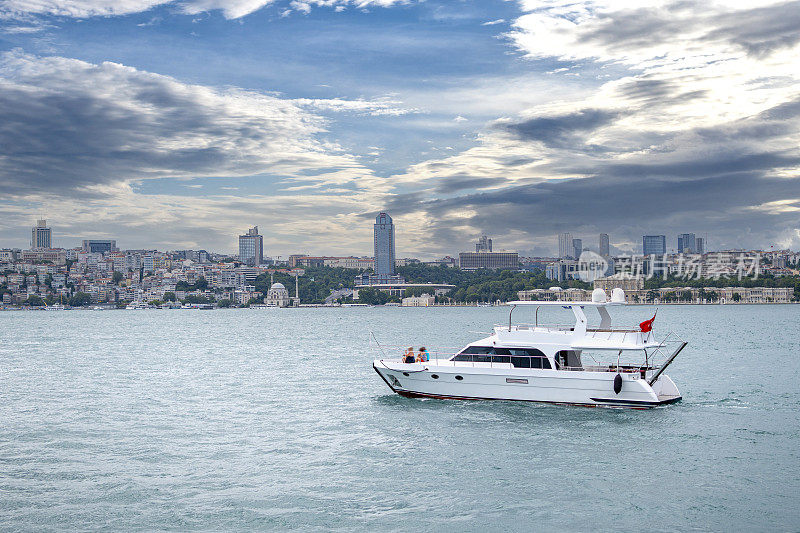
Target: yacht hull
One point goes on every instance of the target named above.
(591, 389)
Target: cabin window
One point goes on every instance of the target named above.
(501, 358)
(530, 362)
(463, 357)
(501, 351)
(482, 358)
(477, 350)
(568, 358)
(521, 362)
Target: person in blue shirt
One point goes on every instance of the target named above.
(423, 356)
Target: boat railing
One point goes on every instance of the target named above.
(533, 327)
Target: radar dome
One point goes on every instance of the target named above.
(555, 289)
(598, 296)
(618, 295)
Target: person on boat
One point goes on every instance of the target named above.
(409, 355)
(422, 357)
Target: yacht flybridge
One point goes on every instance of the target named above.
(532, 362)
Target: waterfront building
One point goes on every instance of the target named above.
(277, 296)
(577, 247)
(565, 247)
(384, 246)
(251, 247)
(654, 245)
(424, 300)
(554, 294)
(491, 260)
(603, 246)
(687, 243)
(41, 235)
(623, 280)
(484, 244)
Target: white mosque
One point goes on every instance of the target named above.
(277, 296)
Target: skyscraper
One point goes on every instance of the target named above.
(484, 244)
(654, 245)
(384, 245)
(565, 248)
(700, 245)
(687, 243)
(577, 248)
(604, 247)
(251, 247)
(41, 235)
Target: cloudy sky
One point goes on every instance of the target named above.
(176, 124)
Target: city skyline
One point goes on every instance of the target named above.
(252, 244)
(512, 119)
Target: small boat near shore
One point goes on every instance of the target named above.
(538, 363)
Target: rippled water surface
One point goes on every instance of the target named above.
(274, 419)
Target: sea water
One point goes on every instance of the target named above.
(259, 419)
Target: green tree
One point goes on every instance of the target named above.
(80, 299)
(34, 301)
(170, 297)
(224, 303)
(117, 277)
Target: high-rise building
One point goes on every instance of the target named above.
(565, 248)
(577, 248)
(484, 244)
(654, 244)
(99, 246)
(700, 245)
(384, 245)
(604, 247)
(251, 247)
(41, 235)
(687, 243)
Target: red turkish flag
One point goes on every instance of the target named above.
(647, 325)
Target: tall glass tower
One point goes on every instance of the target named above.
(251, 247)
(384, 245)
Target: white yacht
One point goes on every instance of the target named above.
(532, 362)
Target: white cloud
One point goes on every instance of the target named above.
(231, 9)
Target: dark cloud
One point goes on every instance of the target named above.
(649, 90)
(760, 31)
(66, 125)
(712, 179)
(460, 183)
(558, 130)
(624, 209)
